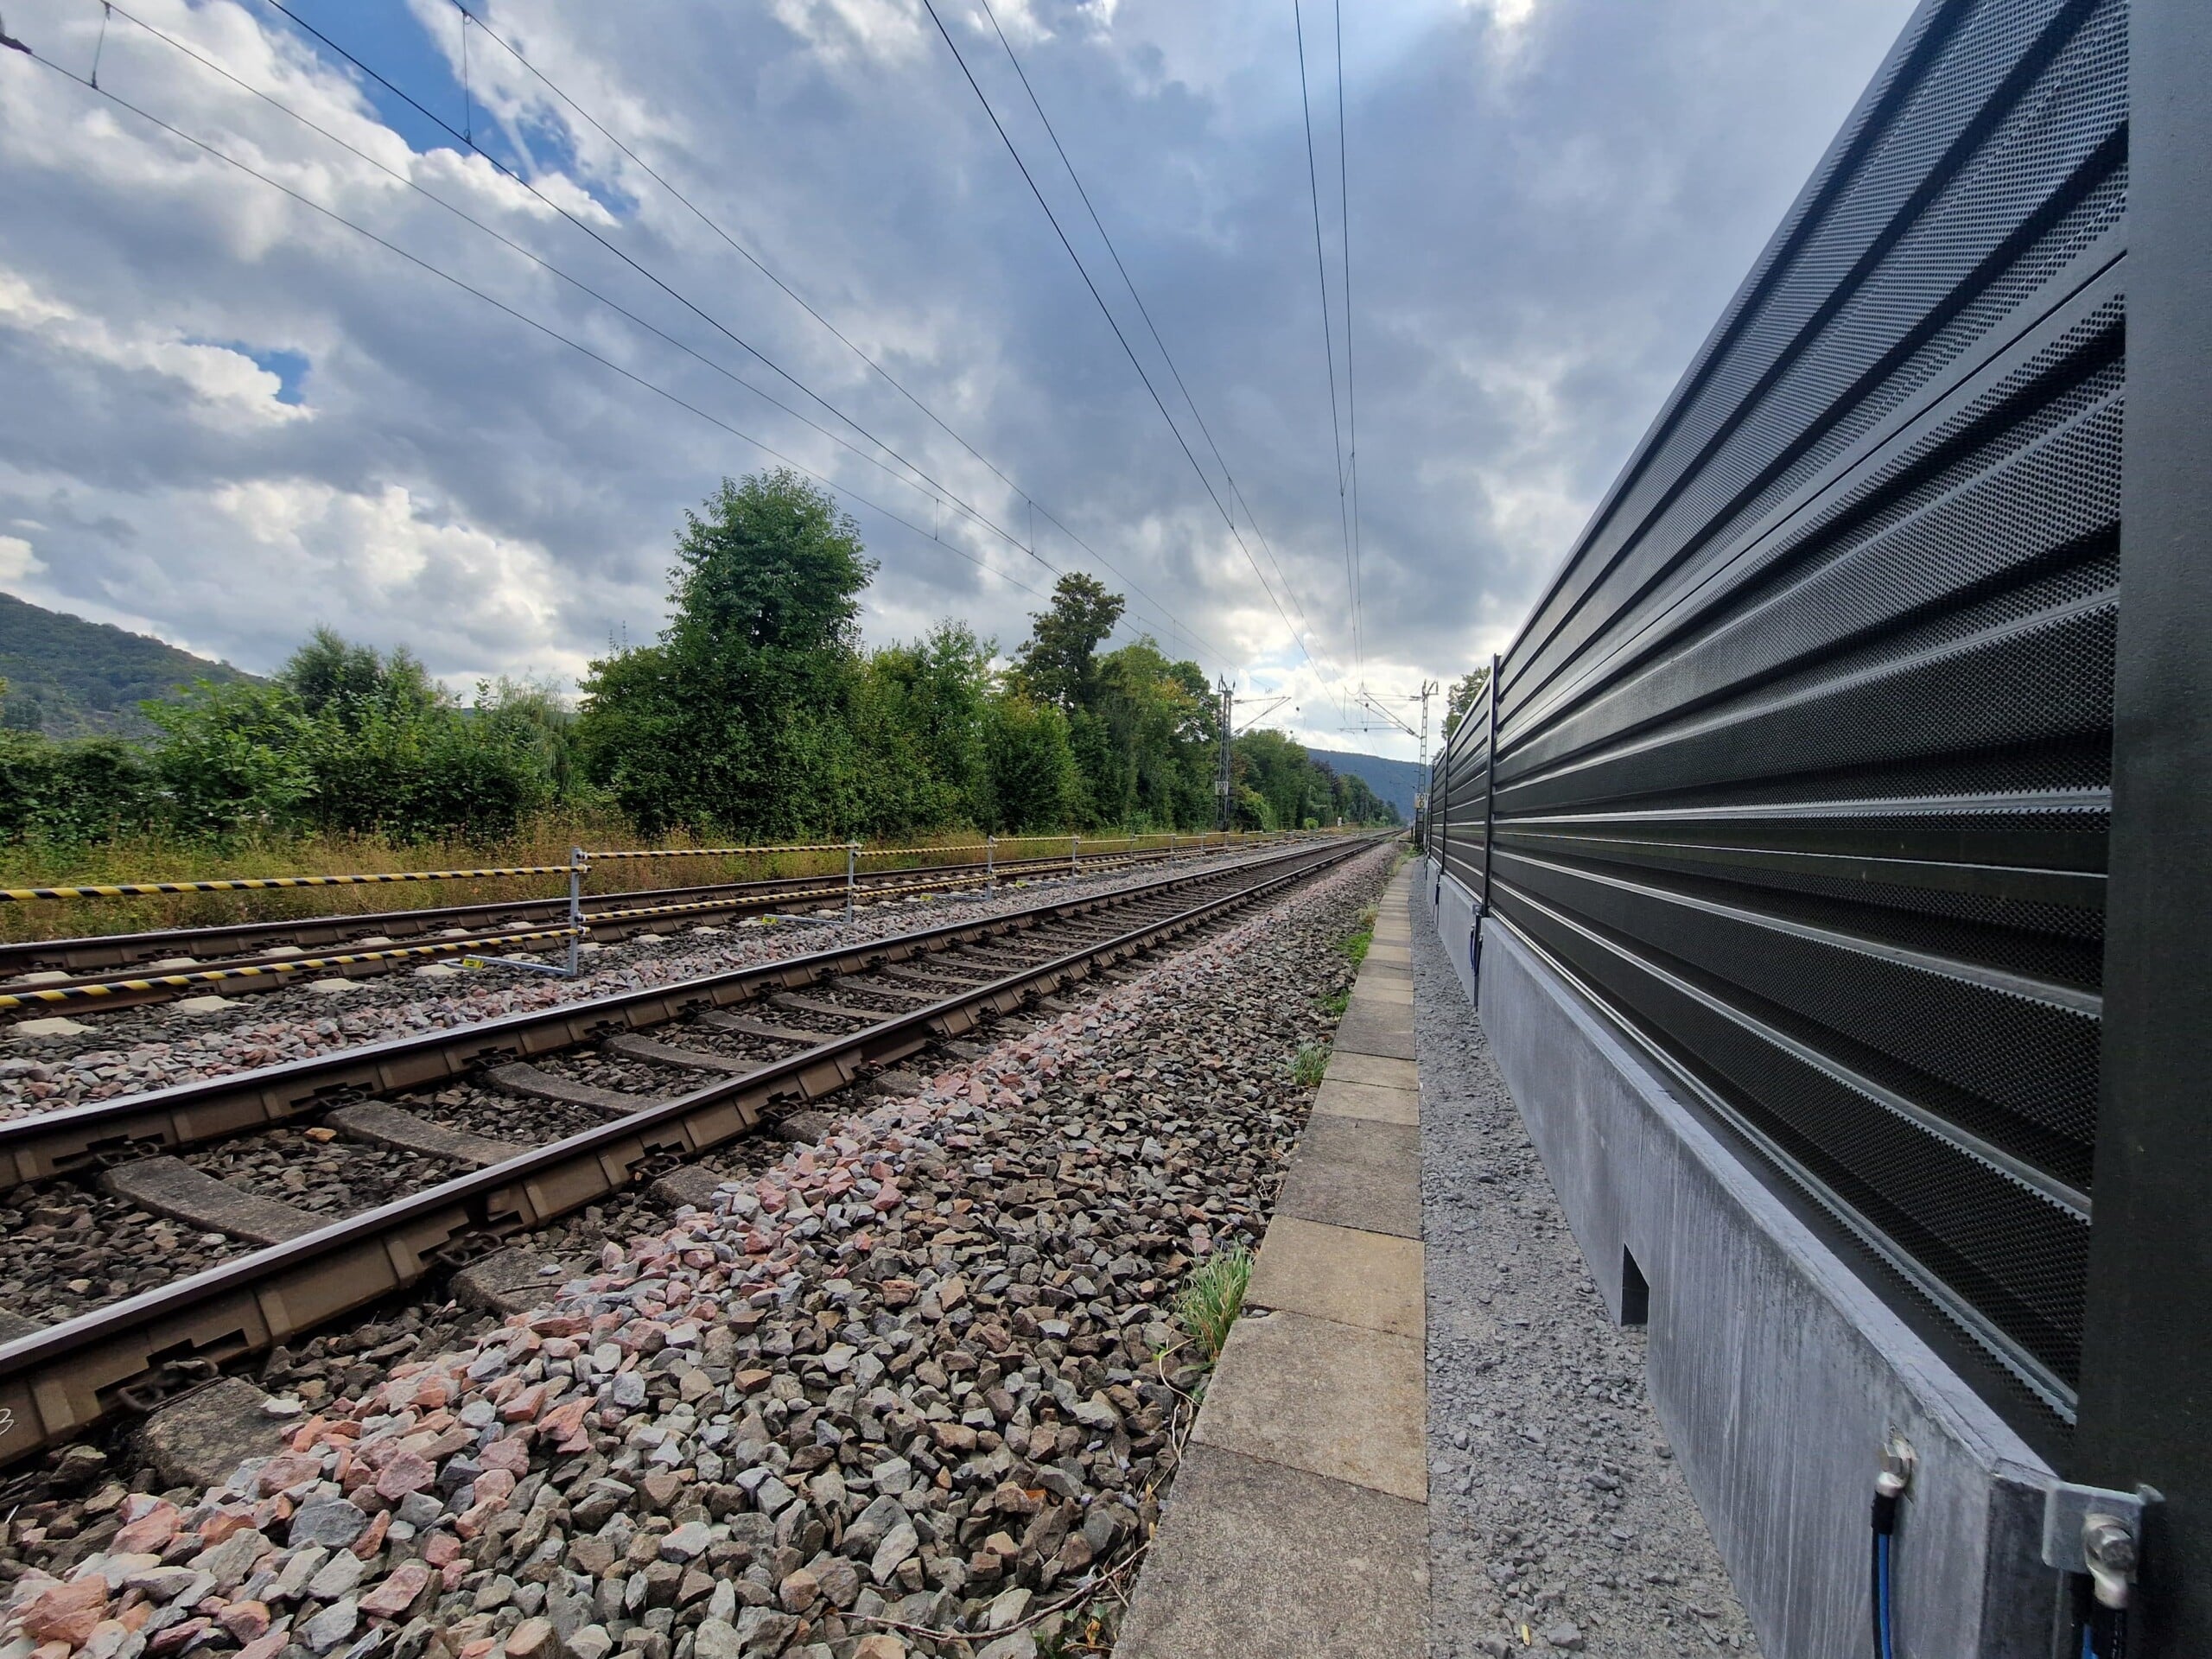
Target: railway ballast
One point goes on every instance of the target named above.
(913, 1388)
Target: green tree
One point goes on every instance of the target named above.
(1463, 696)
(234, 755)
(738, 716)
(1032, 772)
(1060, 663)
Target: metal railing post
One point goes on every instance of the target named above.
(852, 872)
(576, 906)
(990, 863)
(1075, 855)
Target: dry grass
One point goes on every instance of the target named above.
(545, 841)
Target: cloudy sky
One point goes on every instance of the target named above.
(228, 415)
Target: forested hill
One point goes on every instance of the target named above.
(1391, 780)
(68, 677)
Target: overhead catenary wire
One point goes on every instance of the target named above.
(532, 323)
(1328, 341)
(537, 259)
(1351, 381)
(1112, 323)
(807, 305)
(1145, 312)
(465, 139)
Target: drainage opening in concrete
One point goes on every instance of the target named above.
(1636, 1292)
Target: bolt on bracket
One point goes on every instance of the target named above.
(2095, 1531)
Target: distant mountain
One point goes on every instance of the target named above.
(1393, 780)
(68, 677)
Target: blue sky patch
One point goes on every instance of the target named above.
(290, 368)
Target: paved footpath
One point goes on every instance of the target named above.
(1299, 1528)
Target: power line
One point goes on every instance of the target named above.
(801, 301)
(1106, 311)
(509, 243)
(1328, 343)
(1352, 388)
(1168, 357)
(467, 140)
(532, 323)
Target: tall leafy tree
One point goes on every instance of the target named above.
(1060, 663)
(739, 715)
(1463, 696)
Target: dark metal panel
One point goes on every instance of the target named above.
(2146, 1384)
(1803, 763)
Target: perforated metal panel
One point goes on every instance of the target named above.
(1803, 763)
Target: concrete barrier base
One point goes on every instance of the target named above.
(1777, 1373)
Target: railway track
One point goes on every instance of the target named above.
(86, 973)
(466, 1106)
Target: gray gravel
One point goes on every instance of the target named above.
(1557, 1518)
(127, 1051)
(917, 1380)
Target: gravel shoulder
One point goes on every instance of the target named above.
(914, 1390)
(129, 1051)
(1558, 1518)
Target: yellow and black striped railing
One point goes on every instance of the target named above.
(48, 996)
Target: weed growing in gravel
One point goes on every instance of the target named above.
(1311, 1062)
(1356, 945)
(1209, 1303)
(1337, 1001)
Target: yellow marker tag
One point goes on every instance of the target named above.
(472, 962)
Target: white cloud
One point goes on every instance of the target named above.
(1536, 254)
(17, 561)
(229, 382)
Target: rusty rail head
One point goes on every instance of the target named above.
(57, 1382)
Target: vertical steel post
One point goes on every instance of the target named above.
(1075, 853)
(576, 857)
(852, 874)
(1489, 788)
(2146, 1338)
(990, 863)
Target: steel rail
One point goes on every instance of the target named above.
(211, 948)
(136, 1126)
(58, 1381)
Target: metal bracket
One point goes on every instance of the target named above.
(165, 1381)
(2095, 1531)
(523, 963)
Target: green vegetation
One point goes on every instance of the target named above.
(1210, 1301)
(757, 715)
(67, 678)
(1461, 698)
(1310, 1065)
(1355, 943)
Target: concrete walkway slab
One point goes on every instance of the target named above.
(1384, 991)
(1298, 1525)
(1370, 1280)
(1357, 1174)
(1327, 1398)
(1368, 1101)
(1378, 1069)
(1257, 1561)
(1371, 1031)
